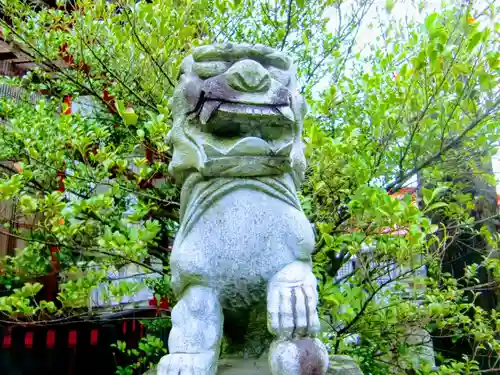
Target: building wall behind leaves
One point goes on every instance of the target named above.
(6, 68)
(12, 224)
(18, 93)
(10, 220)
(5, 212)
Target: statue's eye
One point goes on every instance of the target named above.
(209, 69)
(282, 76)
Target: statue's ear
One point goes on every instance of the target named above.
(168, 138)
(186, 66)
(299, 105)
(302, 106)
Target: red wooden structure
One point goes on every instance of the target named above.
(74, 347)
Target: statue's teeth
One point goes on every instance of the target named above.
(208, 108)
(287, 112)
(250, 146)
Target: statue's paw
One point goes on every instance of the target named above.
(188, 364)
(292, 307)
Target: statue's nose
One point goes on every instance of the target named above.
(248, 76)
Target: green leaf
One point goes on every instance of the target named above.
(389, 5)
(305, 38)
(427, 195)
(187, 32)
(474, 40)
(430, 21)
(493, 59)
(461, 68)
(28, 204)
(120, 107)
(485, 82)
(437, 192)
(436, 206)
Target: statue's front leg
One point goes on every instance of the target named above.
(292, 316)
(194, 341)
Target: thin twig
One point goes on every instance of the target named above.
(73, 249)
(288, 24)
(146, 50)
(452, 144)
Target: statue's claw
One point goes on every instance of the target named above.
(292, 302)
(188, 364)
(194, 341)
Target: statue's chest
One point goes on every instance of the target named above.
(244, 237)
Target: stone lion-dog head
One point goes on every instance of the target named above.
(237, 113)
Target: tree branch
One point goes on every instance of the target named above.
(288, 24)
(118, 79)
(454, 143)
(55, 68)
(146, 50)
(92, 250)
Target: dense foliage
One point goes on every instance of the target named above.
(421, 101)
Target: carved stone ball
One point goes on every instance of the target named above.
(305, 356)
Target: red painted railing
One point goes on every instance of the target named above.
(78, 347)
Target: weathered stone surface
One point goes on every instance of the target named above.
(343, 365)
(238, 366)
(303, 356)
(243, 237)
(234, 52)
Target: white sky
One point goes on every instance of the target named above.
(403, 8)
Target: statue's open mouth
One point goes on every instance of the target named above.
(211, 108)
(229, 119)
(226, 112)
(243, 129)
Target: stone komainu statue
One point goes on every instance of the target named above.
(243, 236)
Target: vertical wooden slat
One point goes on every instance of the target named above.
(5, 214)
(6, 68)
(18, 93)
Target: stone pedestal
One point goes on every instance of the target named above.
(339, 365)
(237, 366)
(343, 365)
